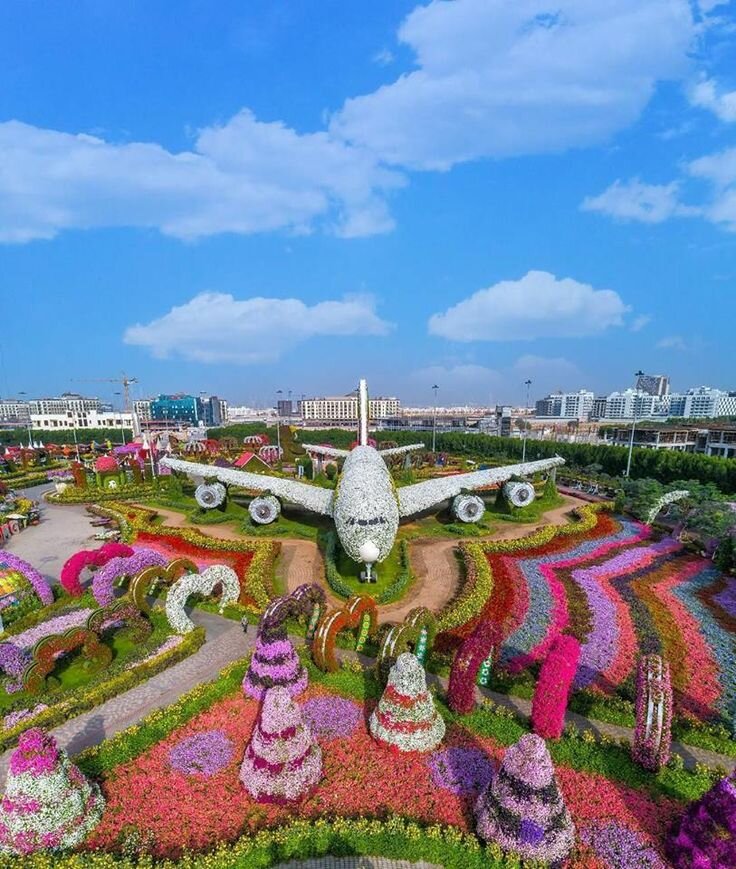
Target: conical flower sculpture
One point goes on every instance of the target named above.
(48, 803)
(406, 718)
(522, 810)
(705, 836)
(282, 762)
(274, 662)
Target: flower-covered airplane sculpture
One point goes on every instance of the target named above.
(365, 505)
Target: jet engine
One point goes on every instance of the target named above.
(468, 508)
(265, 509)
(210, 495)
(519, 494)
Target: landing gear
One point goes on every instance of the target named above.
(368, 575)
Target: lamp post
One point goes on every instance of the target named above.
(633, 426)
(527, 383)
(434, 420)
(278, 427)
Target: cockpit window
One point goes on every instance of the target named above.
(376, 520)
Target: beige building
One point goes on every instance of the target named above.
(344, 408)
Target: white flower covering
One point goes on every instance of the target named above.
(468, 508)
(312, 498)
(365, 504)
(421, 496)
(199, 583)
(519, 494)
(666, 499)
(210, 495)
(264, 509)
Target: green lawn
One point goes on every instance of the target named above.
(386, 572)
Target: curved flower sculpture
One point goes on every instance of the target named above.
(652, 736)
(200, 583)
(104, 579)
(552, 693)
(73, 566)
(40, 586)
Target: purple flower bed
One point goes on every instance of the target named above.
(204, 754)
(102, 581)
(621, 848)
(57, 625)
(332, 717)
(463, 771)
(40, 586)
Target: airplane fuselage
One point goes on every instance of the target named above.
(365, 508)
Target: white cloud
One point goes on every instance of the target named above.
(672, 342)
(633, 200)
(243, 177)
(384, 57)
(519, 77)
(536, 306)
(704, 94)
(215, 327)
(638, 323)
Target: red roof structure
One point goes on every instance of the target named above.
(246, 457)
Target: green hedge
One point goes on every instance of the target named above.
(401, 583)
(332, 574)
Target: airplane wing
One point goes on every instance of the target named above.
(421, 496)
(398, 451)
(326, 451)
(312, 497)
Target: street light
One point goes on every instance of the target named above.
(434, 420)
(527, 383)
(633, 426)
(278, 428)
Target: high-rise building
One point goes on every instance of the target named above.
(344, 408)
(566, 405)
(653, 384)
(701, 403)
(630, 403)
(14, 411)
(142, 409)
(63, 403)
(177, 409)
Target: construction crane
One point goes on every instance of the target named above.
(124, 381)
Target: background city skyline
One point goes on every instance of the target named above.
(328, 198)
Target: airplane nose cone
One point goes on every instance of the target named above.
(369, 552)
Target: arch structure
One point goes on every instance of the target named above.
(415, 634)
(28, 572)
(122, 615)
(359, 614)
(47, 650)
(307, 601)
(664, 501)
(472, 666)
(75, 564)
(653, 732)
(145, 582)
(120, 568)
(200, 583)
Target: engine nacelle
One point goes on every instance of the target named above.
(468, 508)
(210, 495)
(265, 509)
(519, 494)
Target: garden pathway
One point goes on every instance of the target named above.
(61, 532)
(358, 862)
(225, 643)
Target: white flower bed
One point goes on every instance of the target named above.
(199, 583)
(669, 498)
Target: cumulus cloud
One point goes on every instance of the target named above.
(216, 327)
(510, 77)
(638, 323)
(633, 200)
(704, 94)
(242, 177)
(655, 203)
(538, 305)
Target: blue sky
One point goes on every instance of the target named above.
(244, 197)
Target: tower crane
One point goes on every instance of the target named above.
(124, 381)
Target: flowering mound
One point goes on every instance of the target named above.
(705, 837)
(274, 662)
(461, 771)
(282, 762)
(406, 718)
(203, 754)
(618, 847)
(523, 810)
(40, 586)
(332, 717)
(48, 803)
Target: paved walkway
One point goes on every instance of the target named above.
(61, 532)
(225, 643)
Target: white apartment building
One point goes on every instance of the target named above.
(82, 419)
(344, 408)
(12, 410)
(566, 405)
(65, 402)
(701, 403)
(630, 403)
(142, 409)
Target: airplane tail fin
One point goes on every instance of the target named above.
(363, 413)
